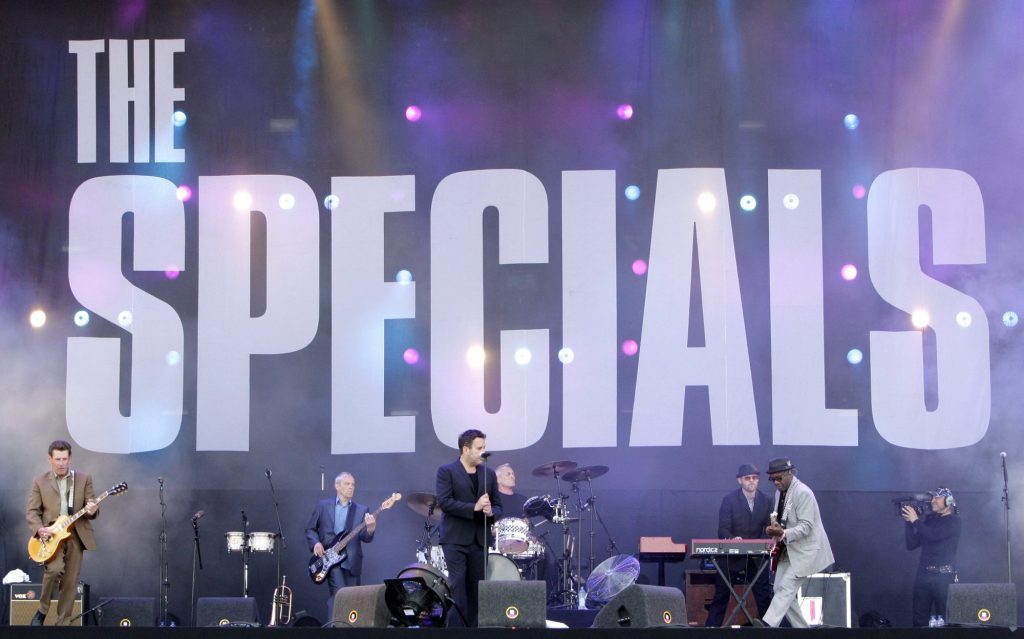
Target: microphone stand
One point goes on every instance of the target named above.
(245, 554)
(197, 558)
(1006, 509)
(280, 530)
(487, 551)
(165, 584)
(95, 609)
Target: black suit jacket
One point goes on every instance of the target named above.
(736, 520)
(455, 496)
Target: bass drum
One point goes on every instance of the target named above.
(501, 568)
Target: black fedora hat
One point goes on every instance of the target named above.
(779, 465)
(747, 469)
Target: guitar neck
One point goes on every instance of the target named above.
(73, 518)
(355, 531)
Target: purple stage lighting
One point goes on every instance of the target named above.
(411, 356)
(413, 113)
(851, 121)
(848, 272)
(630, 347)
(625, 111)
(183, 193)
(859, 191)
(639, 267)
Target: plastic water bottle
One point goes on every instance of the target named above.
(933, 622)
(940, 621)
(581, 599)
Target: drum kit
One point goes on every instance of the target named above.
(518, 549)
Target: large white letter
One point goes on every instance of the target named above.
(86, 50)
(227, 334)
(457, 311)
(165, 94)
(361, 301)
(589, 311)
(799, 416)
(94, 272)
(692, 205)
(121, 94)
(962, 352)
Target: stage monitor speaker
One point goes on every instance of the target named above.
(512, 604)
(643, 607)
(360, 607)
(128, 612)
(982, 605)
(24, 603)
(227, 611)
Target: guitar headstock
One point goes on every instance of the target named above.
(117, 489)
(390, 501)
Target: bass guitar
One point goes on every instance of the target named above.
(335, 552)
(43, 551)
(778, 546)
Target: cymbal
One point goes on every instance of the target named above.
(585, 472)
(424, 504)
(551, 469)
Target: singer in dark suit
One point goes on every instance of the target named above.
(334, 516)
(744, 514)
(470, 501)
(61, 491)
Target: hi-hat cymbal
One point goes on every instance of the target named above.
(584, 473)
(424, 504)
(554, 468)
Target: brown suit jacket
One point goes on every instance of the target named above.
(44, 505)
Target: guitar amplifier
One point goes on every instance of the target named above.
(24, 600)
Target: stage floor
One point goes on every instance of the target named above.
(94, 632)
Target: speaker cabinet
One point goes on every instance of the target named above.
(982, 605)
(227, 611)
(643, 607)
(512, 604)
(127, 612)
(360, 607)
(24, 600)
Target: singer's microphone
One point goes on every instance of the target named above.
(1006, 479)
(269, 473)
(1003, 455)
(485, 455)
(244, 518)
(161, 479)
(199, 515)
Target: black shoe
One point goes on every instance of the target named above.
(37, 619)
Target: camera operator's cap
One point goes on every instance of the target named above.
(747, 469)
(941, 492)
(780, 465)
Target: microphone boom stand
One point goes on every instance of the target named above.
(165, 584)
(1006, 510)
(280, 530)
(197, 558)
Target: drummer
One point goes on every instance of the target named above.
(511, 501)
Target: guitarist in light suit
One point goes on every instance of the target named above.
(467, 505)
(61, 491)
(332, 517)
(806, 549)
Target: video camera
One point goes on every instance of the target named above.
(920, 502)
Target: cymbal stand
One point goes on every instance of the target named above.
(566, 583)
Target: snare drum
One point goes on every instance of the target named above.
(512, 534)
(540, 506)
(235, 540)
(435, 558)
(533, 552)
(501, 568)
(262, 541)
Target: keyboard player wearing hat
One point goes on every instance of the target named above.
(744, 514)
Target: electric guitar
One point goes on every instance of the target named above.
(336, 552)
(778, 546)
(43, 551)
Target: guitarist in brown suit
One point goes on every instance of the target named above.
(61, 491)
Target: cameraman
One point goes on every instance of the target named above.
(937, 535)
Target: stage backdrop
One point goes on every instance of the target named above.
(279, 240)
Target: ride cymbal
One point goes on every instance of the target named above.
(585, 473)
(554, 469)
